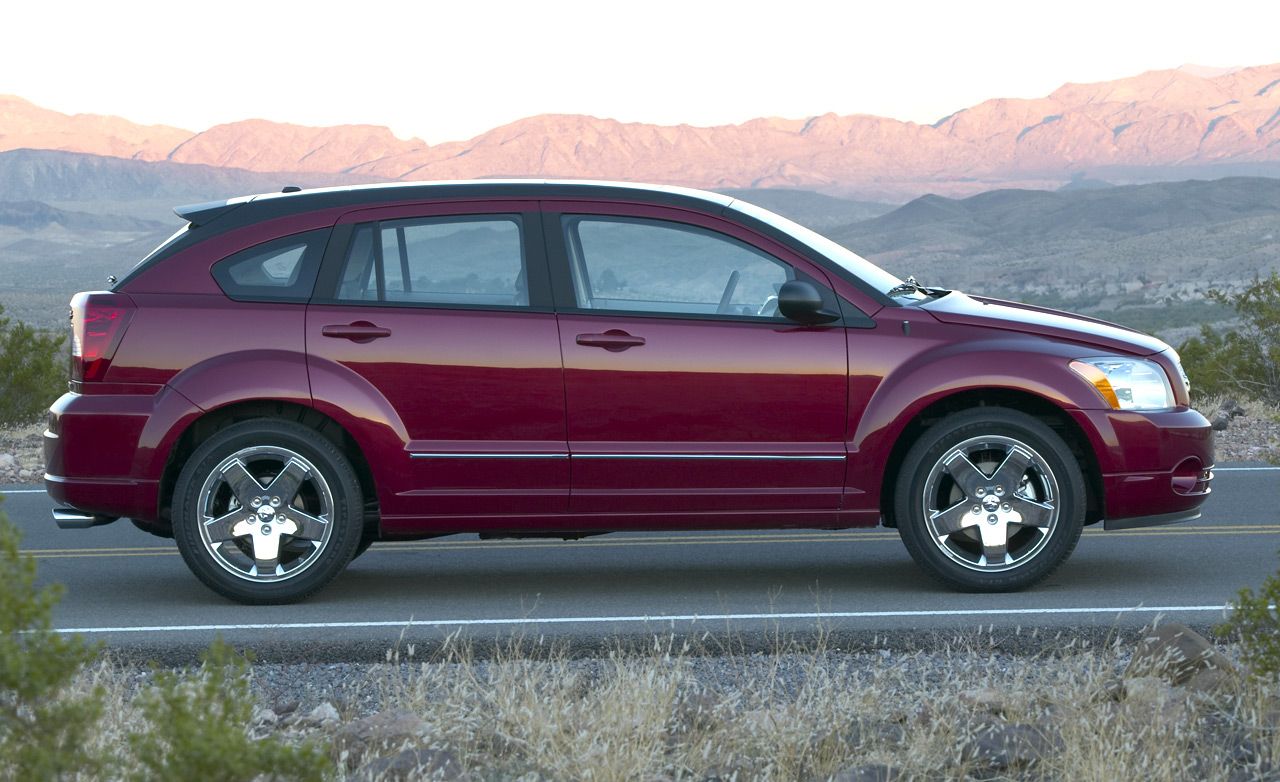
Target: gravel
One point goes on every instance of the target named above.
(1253, 436)
(22, 454)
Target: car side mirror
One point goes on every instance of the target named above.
(802, 302)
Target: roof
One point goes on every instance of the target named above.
(268, 205)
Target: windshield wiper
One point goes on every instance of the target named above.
(911, 286)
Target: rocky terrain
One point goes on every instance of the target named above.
(1166, 704)
(1159, 125)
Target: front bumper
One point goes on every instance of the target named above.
(1158, 520)
(1156, 468)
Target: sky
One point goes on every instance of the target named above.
(444, 71)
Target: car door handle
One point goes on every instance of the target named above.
(360, 331)
(613, 340)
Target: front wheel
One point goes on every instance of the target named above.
(267, 511)
(990, 500)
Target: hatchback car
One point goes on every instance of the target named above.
(296, 375)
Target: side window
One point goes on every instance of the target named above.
(639, 265)
(440, 260)
(279, 270)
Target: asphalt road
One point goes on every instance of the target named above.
(133, 591)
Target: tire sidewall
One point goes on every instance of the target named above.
(941, 437)
(347, 515)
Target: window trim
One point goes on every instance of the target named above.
(556, 231)
(532, 247)
(315, 243)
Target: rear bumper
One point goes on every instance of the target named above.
(102, 458)
(102, 497)
(1156, 468)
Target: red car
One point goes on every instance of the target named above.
(293, 376)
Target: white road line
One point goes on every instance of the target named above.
(22, 491)
(562, 620)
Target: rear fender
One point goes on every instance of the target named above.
(220, 381)
(371, 420)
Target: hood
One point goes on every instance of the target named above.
(959, 308)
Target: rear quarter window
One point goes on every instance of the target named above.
(282, 269)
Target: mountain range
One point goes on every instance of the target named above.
(1159, 125)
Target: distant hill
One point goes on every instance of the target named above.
(1156, 126)
(34, 215)
(49, 175)
(1095, 250)
(809, 208)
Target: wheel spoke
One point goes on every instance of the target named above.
(224, 527)
(995, 544)
(1009, 473)
(964, 473)
(266, 513)
(953, 519)
(285, 485)
(243, 485)
(1034, 514)
(266, 554)
(304, 525)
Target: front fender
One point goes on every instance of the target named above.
(1029, 366)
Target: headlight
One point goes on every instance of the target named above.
(1127, 383)
(1182, 373)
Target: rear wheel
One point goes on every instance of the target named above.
(267, 511)
(990, 500)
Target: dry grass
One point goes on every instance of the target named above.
(803, 712)
(809, 713)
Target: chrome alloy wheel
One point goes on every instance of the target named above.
(991, 503)
(265, 513)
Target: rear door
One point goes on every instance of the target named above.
(443, 311)
(685, 389)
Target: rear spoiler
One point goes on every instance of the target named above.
(207, 212)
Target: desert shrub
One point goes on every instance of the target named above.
(44, 730)
(1256, 622)
(1246, 359)
(198, 727)
(33, 371)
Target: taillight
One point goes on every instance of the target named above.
(98, 321)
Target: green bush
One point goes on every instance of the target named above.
(33, 371)
(197, 728)
(44, 731)
(1245, 360)
(1254, 619)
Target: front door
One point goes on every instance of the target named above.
(685, 389)
(444, 311)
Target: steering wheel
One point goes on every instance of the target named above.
(727, 296)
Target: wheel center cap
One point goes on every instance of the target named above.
(266, 513)
(990, 503)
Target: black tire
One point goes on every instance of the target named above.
(931, 502)
(210, 483)
(365, 543)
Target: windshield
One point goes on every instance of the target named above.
(847, 259)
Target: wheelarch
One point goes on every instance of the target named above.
(209, 423)
(1038, 407)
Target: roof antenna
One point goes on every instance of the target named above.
(290, 189)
